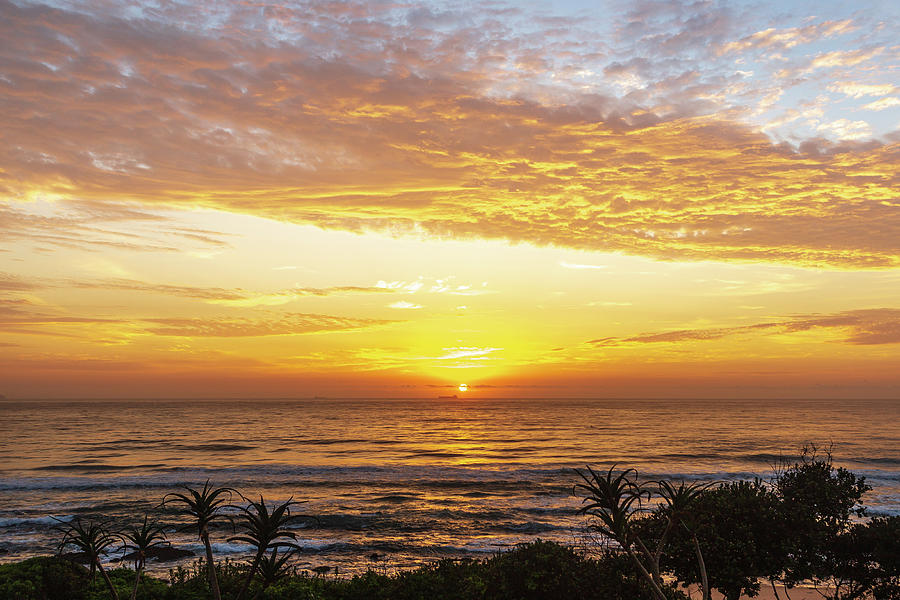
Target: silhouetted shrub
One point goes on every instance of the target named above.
(817, 501)
(44, 578)
(547, 570)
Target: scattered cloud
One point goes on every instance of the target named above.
(466, 352)
(432, 286)
(860, 90)
(883, 103)
(782, 39)
(842, 58)
(845, 129)
(372, 117)
(404, 305)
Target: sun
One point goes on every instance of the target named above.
(463, 387)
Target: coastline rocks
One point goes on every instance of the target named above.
(76, 557)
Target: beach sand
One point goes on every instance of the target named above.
(765, 593)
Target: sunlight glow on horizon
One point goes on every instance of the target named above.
(679, 200)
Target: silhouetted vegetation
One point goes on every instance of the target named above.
(141, 540)
(265, 530)
(90, 538)
(205, 507)
(535, 571)
(806, 524)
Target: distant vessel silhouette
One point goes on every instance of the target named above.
(453, 397)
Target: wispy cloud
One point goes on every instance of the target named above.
(863, 327)
(860, 90)
(12, 283)
(883, 103)
(99, 225)
(783, 39)
(467, 352)
(288, 324)
(236, 297)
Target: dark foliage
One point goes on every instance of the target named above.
(44, 578)
(533, 571)
(737, 528)
(817, 502)
(865, 561)
(797, 527)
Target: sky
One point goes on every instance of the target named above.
(385, 199)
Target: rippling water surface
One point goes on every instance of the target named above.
(409, 480)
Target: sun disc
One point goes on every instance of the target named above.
(463, 387)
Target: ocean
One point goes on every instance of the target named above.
(407, 480)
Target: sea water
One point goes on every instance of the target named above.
(395, 483)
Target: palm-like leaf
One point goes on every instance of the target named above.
(273, 567)
(92, 538)
(264, 529)
(611, 498)
(614, 499)
(205, 506)
(683, 495)
(680, 498)
(142, 538)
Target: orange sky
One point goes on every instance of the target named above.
(380, 200)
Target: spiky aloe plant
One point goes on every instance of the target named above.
(140, 540)
(91, 538)
(205, 507)
(265, 530)
(679, 500)
(273, 567)
(614, 499)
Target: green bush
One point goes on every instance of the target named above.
(43, 578)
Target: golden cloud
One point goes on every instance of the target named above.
(287, 324)
(866, 327)
(224, 296)
(396, 142)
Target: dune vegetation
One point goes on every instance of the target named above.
(806, 524)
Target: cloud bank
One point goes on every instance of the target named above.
(370, 116)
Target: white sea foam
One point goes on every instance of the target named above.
(384, 480)
(221, 548)
(48, 520)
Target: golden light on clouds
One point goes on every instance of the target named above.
(338, 199)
